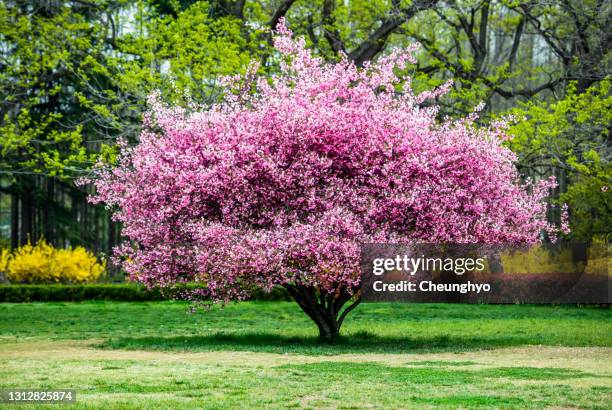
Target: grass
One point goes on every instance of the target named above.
(265, 354)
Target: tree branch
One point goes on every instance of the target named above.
(376, 41)
(525, 9)
(281, 11)
(348, 310)
(525, 92)
(516, 42)
(329, 31)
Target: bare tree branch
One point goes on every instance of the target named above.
(329, 30)
(516, 43)
(281, 11)
(376, 41)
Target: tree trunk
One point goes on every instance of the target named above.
(111, 234)
(27, 211)
(48, 217)
(14, 220)
(324, 309)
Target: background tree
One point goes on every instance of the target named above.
(181, 52)
(59, 105)
(571, 138)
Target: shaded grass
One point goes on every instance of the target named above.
(280, 327)
(361, 342)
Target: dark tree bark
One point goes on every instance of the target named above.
(112, 234)
(282, 9)
(48, 217)
(223, 8)
(14, 220)
(324, 309)
(27, 210)
(376, 41)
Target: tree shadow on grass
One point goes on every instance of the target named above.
(361, 342)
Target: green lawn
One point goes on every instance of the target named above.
(265, 354)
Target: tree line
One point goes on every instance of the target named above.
(75, 76)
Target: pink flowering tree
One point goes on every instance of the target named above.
(280, 183)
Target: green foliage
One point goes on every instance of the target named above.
(183, 53)
(56, 85)
(124, 292)
(68, 96)
(76, 293)
(571, 137)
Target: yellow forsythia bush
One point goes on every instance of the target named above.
(4, 257)
(44, 263)
(539, 260)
